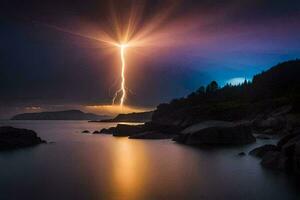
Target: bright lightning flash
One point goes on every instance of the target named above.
(122, 89)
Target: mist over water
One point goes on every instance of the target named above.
(87, 166)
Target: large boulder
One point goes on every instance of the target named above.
(13, 138)
(216, 133)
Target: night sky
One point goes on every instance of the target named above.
(46, 68)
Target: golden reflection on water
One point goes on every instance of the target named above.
(129, 167)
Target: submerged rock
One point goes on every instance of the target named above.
(85, 131)
(242, 154)
(13, 138)
(216, 133)
(96, 132)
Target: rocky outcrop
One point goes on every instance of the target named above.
(284, 156)
(131, 117)
(107, 130)
(151, 135)
(216, 133)
(143, 131)
(275, 122)
(14, 138)
(122, 130)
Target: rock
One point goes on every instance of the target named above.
(296, 160)
(269, 132)
(122, 130)
(263, 137)
(207, 124)
(274, 160)
(242, 154)
(290, 144)
(108, 131)
(284, 156)
(13, 138)
(261, 151)
(96, 132)
(286, 139)
(216, 133)
(132, 117)
(86, 131)
(151, 135)
(273, 123)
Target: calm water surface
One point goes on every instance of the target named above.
(86, 166)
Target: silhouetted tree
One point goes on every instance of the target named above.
(212, 87)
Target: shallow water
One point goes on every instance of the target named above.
(87, 166)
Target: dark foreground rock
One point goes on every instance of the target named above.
(152, 135)
(284, 156)
(14, 138)
(216, 133)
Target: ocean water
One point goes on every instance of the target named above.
(86, 166)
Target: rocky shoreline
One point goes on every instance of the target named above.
(265, 108)
(279, 123)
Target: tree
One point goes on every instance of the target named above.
(212, 87)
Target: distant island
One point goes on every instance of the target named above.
(130, 117)
(59, 115)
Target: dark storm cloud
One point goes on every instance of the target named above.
(39, 65)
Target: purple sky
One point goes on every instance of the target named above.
(198, 42)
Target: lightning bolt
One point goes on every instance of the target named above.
(122, 88)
